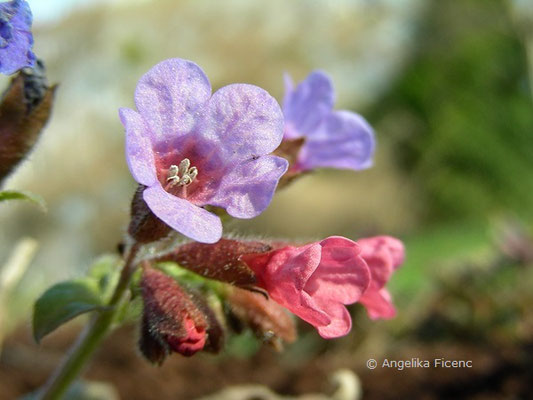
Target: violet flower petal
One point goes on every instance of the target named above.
(245, 120)
(246, 190)
(183, 216)
(139, 154)
(169, 95)
(16, 38)
(343, 140)
(305, 106)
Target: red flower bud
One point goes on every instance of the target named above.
(173, 321)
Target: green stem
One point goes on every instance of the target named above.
(89, 339)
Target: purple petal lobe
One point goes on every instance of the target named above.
(168, 96)
(183, 216)
(305, 106)
(139, 154)
(16, 39)
(246, 190)
(343, 140)
(289, 87)
(245, 120)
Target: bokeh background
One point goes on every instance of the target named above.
(445, 84)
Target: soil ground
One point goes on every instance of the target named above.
(502, 374)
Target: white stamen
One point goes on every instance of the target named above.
(183, 175)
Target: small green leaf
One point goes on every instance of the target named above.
(129, 312)
(20, 195)
(64, 301)
(106, 271)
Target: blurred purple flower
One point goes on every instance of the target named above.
(16, 39)
(333, 139)
(192, 149)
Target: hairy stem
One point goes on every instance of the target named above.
(90, 338)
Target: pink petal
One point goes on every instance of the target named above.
(341, 322)
(396, 248)
(168, 97)
(304, 306)
(284, 277)
(378, 304)
(383, 254)
(183, 216)
(342, 276)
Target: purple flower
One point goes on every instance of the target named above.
(334, 139)
(192, 149)
(16, 39)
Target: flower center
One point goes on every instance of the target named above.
(182, 175)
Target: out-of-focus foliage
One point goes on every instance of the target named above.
(20, 195)
(462, 115)
(66, 300)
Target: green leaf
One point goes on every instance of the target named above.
(129, 311)
(106, 271)
(187, 277)
(64, 301)
(20, 195)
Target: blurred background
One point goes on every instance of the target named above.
(445, 84)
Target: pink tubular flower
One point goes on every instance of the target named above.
(383, 254)
(192, 149)
(315, 281)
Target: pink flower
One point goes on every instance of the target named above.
(315, 281)
(383, 254)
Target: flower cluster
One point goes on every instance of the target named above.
(314, 281)
(199, 157)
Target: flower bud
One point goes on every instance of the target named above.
(144, 226)
(266, 318)
(173, 321)
(24, 111)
